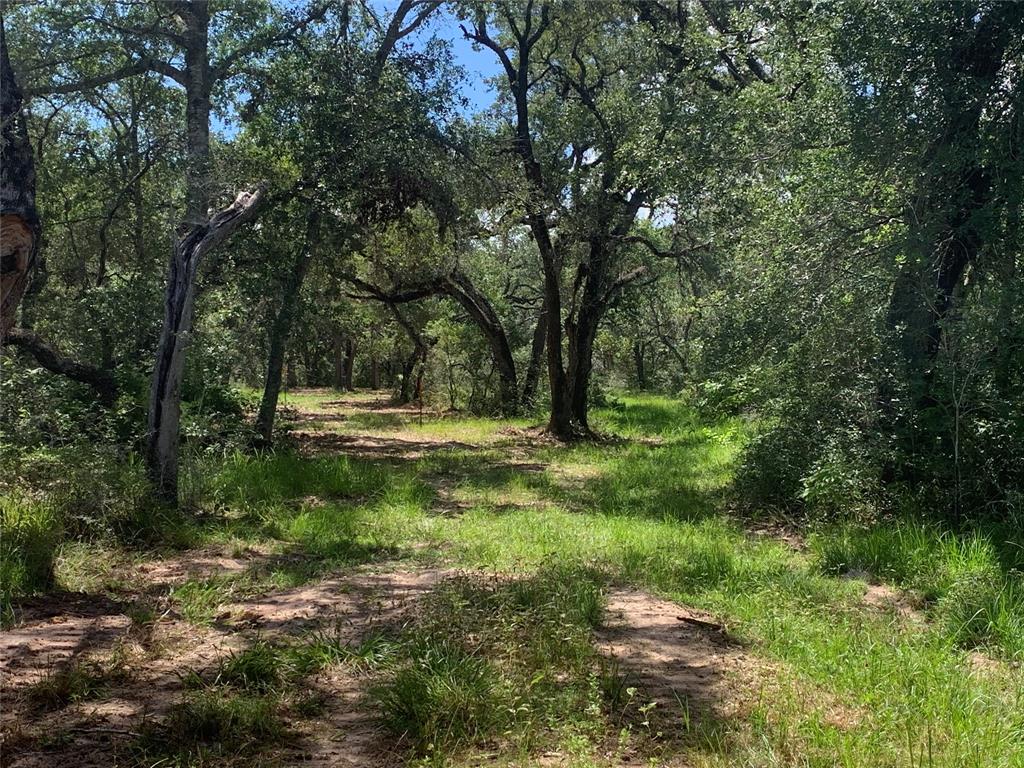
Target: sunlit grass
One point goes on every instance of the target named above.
(845, 683)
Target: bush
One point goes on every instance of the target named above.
(840, 486)
(771, 467)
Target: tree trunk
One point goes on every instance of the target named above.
(338, 350)
(165, 390)
(349, 365)
(405, 392)
(638, 359)
(19, 220)
(281, 329)
(533, 368)
(272, 382)
(197, 236)
(409, 367)
(344, 349)
(374, 373)
(560, 421)
(292, 374)
(581, 363)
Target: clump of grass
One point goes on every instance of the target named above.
(324, 649)
(496, 658)
(208, 724)
(981, 608)
(199, 599)
(30, 532)
(444, 697)
(68, 684)
(262, 667)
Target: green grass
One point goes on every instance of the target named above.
(511, 660)
(960, 577)
(68, 684)
(214, 726)
(505, 661)
(30, 532)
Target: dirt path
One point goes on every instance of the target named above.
(157, 658)
(677, 657)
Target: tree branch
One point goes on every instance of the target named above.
(142, 66)
(101, 380)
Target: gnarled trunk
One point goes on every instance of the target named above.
(483, 314)
(19, 221)
(179, 303)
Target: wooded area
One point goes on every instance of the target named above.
(523, 317)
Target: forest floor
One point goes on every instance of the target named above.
(420, 588)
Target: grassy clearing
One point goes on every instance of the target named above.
(852, 684)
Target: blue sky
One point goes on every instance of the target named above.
(479, 65)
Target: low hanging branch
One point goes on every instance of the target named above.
(459, 287)
(53, 360)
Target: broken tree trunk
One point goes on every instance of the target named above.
(165, 391)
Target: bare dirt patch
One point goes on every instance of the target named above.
(91, 733)
(673, 654)
(195, 564)
(349, 604)
(319, 443)
(882, 597)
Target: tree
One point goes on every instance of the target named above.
(611, 114)
(359, 100)
(19, 220)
